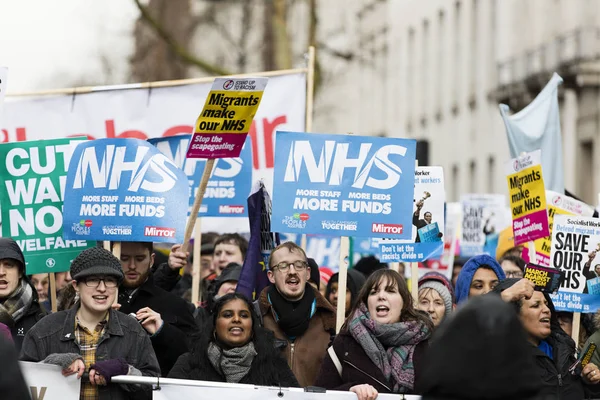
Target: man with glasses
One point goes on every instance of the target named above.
(92, 337)
(167, 318)
(301, 319)
(513, 266)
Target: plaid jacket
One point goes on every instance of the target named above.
(88, 343)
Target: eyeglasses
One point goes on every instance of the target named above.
(514, 274)
(109, 282)
(285, 266)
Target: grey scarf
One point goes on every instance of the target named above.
(17, 304)
(233, 363)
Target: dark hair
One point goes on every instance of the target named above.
(222, 301)
(235, 239)
(291, 247)
(518, 261)
(408, 313)
(148, 245)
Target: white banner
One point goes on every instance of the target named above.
(158, 112)
(169, 392)
(46, 382)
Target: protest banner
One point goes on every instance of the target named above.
(46, 382)
(229, 185)
(34, 175)
(158, 109)
(557, 204)
(226, 117)
(545, 279)
(482, 215)
(527, 197)
(427, 221)
(575, 251)
(343, 185)
(176, 389)
(124, 190)
(221, 130)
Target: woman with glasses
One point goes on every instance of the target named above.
(91, 337)
(380, 346)
(513, 266)
(233, 348)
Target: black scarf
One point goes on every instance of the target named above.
(294, 316)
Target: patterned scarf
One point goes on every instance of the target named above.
(17, 304)
(232, 363)
(389, 346)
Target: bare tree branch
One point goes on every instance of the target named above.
(181, 52)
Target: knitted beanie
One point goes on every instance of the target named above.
(96, 261)
(443, 292)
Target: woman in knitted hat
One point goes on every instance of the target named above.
(478, 276)
(91, 336)
(436, 297)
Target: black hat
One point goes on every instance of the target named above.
(207, 249)
(231, 273)
(315, 275)
(96, 261)
(10, 249)
(368, 265)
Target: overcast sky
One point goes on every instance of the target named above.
(49, 44)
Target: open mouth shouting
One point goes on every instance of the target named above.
(236, 331)
(3, 284)
(293, 282)
(382, 311)
(100, 299)
(545, 321)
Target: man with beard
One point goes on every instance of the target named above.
(166, 317)
(301, 319)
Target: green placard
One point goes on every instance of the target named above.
(33, 176)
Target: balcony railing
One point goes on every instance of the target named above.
(560, 55)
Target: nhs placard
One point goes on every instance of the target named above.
(124, 190)
(229, 185)
(343, 185)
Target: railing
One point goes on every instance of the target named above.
(581, 45)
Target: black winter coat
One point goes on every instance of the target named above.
(558, 382)
(12, 383)
(172, 340)
(357, 367)
(31, 317)
(267, 369)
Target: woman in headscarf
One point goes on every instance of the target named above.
(379, 347)
(436, 297)
(478, 276)
(550, 347)
(235, 349)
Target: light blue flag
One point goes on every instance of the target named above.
(537, 127)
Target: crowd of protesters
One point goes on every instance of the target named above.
(485, 333)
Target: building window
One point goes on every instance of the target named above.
(491, 174)
(472, 177)
(474, 56)
(455, 184)
(440, 62)
(457, 53)
(410, 75)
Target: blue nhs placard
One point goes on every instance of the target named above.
(124, 190)
(229, 185)
(343, 185)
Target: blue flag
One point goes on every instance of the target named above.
(253, 278)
